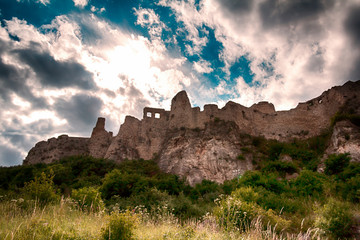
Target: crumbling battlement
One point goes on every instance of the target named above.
(146, 138)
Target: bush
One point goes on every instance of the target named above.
(120, 226)
(351, 189)
(41, 189)
(258, 179)
(309, 183)
(280, 167)
(335, 219)
(88, 198)
(184, 209)
(235, 213)
(335, 164)
(122, 184)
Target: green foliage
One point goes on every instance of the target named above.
(335, 219)
(280, 167)
(340, 116)
(41, 189)
(235, 212)
(351, 189)
(183, 208)
(208, 190)
(240, 157)
(120, 226)
(309, 183)
(88, 198)
(258, 179)
(122, 184)
(336, 163)
(275, 149)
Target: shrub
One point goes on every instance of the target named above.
(351, 189)
(41, 189)
(275, 149)
(88, 198)
(257, 179)
(309, 183)
(335, 164)
(281, 167)
(184, 209)
(246, 194)
(335, 219)
(120, 226)
(235, 213)
(122, 184)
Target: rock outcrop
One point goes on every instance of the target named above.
(193, 143)
(345, 139)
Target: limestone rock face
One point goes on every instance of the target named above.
(345, 139)
(125, 144)
(100, 139)
(211, 153)
(57, 148)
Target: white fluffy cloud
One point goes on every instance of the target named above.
(81, 3)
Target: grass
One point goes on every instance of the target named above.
(25, 220)
(59, 221)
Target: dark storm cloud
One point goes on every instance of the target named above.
(236, 6)
(354, 73)
(18, 140)
(80, 111)
(13, 80)
(278, 13)
(316, 63)
(352, 25)
(55, 73)
(7, 157)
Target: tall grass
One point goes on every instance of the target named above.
(21, 219)
(26, 220)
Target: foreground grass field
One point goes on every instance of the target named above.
(64, 220)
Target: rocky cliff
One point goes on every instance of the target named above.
(206, 144)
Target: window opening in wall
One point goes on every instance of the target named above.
(148, 114)
(157, 115)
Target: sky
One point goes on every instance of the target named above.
(64, 63)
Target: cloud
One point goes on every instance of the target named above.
(9, 157)
(202, 66)
(352, 24)
(80, 111)
(45, 2)
(352, 28)
(81, 3)
(53, 73)
(277, 13)
(237, 6)
(296, 46)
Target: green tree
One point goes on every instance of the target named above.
(41, 189)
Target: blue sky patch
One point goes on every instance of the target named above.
(242, 68)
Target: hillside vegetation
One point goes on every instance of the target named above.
(86, 198)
